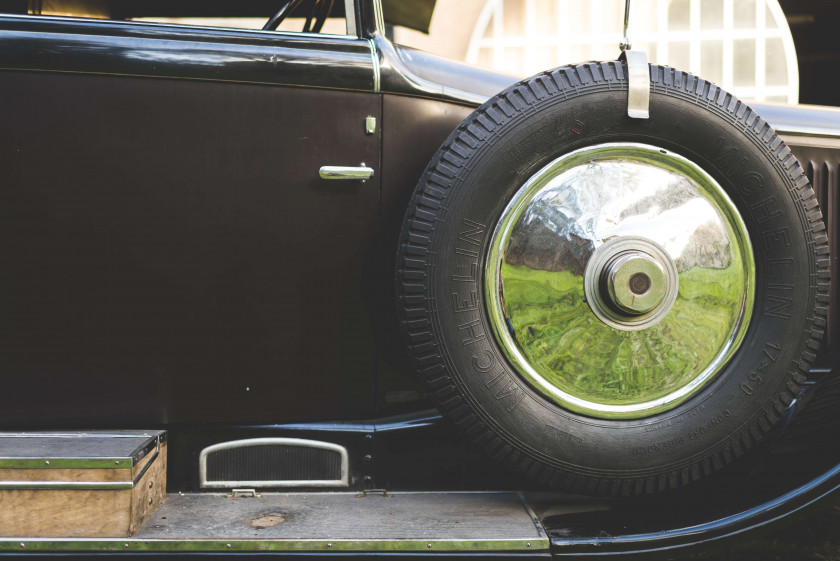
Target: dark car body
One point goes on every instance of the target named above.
(172, 259)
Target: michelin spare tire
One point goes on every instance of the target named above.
(613, 306)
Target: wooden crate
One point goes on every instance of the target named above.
(74, 484)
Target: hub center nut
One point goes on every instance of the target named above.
(631, 282)
(635, 282)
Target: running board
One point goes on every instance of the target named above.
(324, 522)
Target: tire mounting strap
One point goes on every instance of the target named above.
(638, 78)
(638, 84)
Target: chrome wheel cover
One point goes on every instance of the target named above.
(620, 280)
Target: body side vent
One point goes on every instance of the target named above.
(823, 171)
(273, 462)
(820, 158)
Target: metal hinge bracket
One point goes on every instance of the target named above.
(243, 493)
(366, 492)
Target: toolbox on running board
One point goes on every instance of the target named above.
(80, 484)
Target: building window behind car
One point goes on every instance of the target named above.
(744, 46)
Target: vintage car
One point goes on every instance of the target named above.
(300, 292)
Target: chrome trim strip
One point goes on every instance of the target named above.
(177, 545)
(816, 141)
(343, 480)
(379, 13)
(806, 131)
(79, 485)
(377, 73)
(346, 172)
(79, 434)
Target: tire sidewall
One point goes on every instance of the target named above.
(743, 397)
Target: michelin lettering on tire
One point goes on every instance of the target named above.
(613, 306)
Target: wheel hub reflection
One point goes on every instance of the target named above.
(619, 280)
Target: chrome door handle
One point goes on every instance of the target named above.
(361, 172)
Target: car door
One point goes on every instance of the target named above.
(169, 252)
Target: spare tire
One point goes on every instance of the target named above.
(613, 306)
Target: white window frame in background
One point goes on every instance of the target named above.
(605, 44)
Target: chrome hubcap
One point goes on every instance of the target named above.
(620, 280)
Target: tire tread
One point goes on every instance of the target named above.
(426, 210)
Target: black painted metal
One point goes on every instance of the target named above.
(170, 254)
(368, 21)
(274, 462)
(414, 129)
(823, 168)
(795, 471)
(170, 258)
(172, 51)
(416, 73)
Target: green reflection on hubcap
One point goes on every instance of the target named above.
(620, 280)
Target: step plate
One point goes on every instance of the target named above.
(429, 522)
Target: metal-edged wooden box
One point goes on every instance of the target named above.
(80, 484)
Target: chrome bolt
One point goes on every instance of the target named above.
(636, 282)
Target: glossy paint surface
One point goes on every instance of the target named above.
(170, 51)
(413, 129)
(172, 255)
(173, 190)
(412, 72)
(211, 262)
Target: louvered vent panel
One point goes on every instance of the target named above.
(274, 463)
(821, 166)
